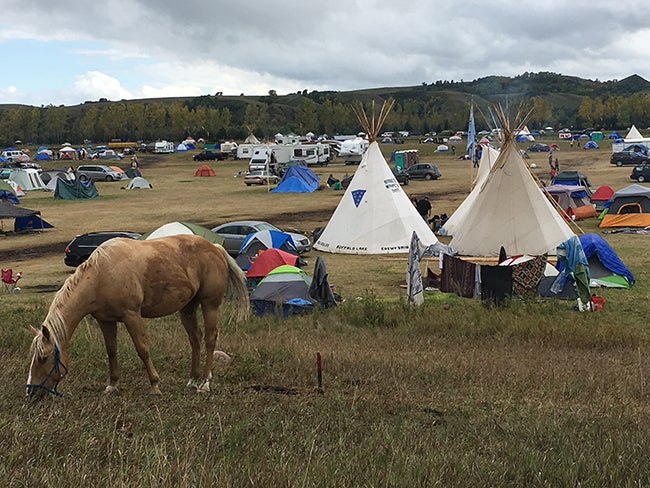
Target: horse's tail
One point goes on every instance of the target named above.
(236, 286)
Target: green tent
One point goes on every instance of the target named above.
(174, 228)
(74, 190)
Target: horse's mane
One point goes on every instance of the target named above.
(54, 320)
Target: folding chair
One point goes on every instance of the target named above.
(10, 280)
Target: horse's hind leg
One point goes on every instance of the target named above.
(210, 318)
(109, 331)
(190, 322)
(135, 327)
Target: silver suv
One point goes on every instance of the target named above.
(98, 172)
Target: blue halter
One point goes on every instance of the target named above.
(56, 368)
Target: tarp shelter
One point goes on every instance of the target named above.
(175, 228)
(27, 178)
(261, 240)
(23, 215)
(204, 170)
(374, 216)
(285, 290)
(297, 179)
(511, 211)
(75, 190)
(573, 199)
(605, 267)
(138, 182)
(602, 194)
(628, 207)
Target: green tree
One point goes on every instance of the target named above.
(306, 116)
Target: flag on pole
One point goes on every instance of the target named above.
(471, 135)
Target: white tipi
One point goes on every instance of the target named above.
(374, 216)
(489, 156)
(510, 210)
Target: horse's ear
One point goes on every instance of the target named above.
(33, 330)
(46, 332)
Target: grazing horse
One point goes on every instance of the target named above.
(126, 280)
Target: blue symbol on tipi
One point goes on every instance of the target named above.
(357, 196)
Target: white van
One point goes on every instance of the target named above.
(12, 154)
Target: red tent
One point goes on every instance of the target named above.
(269, 259)
(601, 195)
(204, 170)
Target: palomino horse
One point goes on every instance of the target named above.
(125, 280)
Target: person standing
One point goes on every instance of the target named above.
(424, 208)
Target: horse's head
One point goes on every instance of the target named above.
(48, 365)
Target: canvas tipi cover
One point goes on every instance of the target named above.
(633, 135)
(374, 216)
(489, 156)
(510, 210)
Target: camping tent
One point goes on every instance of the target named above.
(27, 178)
(297, 179)
(605, 267)
(261, 240)
(590, 145)
(8, 193)
(628, 207)
(25, 218)
(74, 189)
(573, 200)
(51, 184)
(269, 259)
(602, 194)
(284, 290)
(182, 147)
(488, 156)
(138, 182)
(571, 178)
(374, 216)
(510, 210)
(175, 228)
(204, 170)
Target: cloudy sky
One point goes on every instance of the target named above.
(69, 51)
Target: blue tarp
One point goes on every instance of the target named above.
(297, 179)
(595, 244)
(33, 222)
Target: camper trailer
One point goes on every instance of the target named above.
(245, 151)
(273, 154)
(163, 147)
(312, 154)
(352, 150)
(229, 148)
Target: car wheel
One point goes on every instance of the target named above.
(641, 179)
(619, 163)
(83, 177)
(109, 178)
(248, 184)
(428, 177)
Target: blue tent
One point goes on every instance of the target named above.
(297, 179)
(614, 135)
(33, 222)
(590, 145)
(42, 156)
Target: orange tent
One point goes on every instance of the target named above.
(204, 170)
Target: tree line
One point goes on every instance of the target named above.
(217, 118)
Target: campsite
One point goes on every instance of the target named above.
(452, 393)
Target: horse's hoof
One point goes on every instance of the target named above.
(111, 390)
(204, 387)
(193, 384)
(155, 391)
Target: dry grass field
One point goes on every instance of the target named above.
(448, 394)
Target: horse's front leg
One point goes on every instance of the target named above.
(109, 331)
(135, 326)
(191, 325)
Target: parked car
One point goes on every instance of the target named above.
(539, 147)
(427, 171)
(234, 234)
(260, 177)
(207, 155)
(401, 175)
(107, 154)
(641, 173)
(628, 157)
(78, 250)
(98, 172)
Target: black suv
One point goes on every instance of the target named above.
(401, 175)
(427, 171)
(208, 155)
(84, 244)
(628, 157)
(641, 173)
